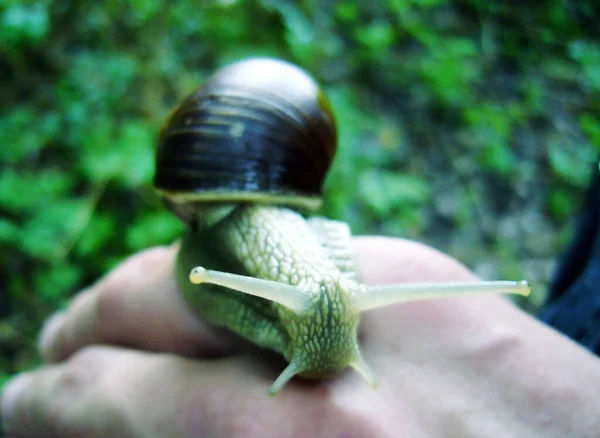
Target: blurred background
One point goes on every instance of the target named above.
(470, 125)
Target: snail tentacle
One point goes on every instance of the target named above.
(379, 296)
(293, 297)
(362, 367)
(294, 368)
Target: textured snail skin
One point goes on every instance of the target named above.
(278, 244)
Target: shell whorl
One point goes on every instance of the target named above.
(259, 130)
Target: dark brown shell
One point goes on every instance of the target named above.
(257, 130)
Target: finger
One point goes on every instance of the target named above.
(71, 399)
(106, 391)
(139, 305)
(44, 402)
(384, 260)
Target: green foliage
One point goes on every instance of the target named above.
(490, 126)
(567, 164)
(561, 203)
(455, 118)
(450, 69)
(22, 24)
(590, 126)
(389, 194)
(587, 53)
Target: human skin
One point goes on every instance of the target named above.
(129, 359)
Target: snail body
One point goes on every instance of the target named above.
(235, 161)
(278, 245)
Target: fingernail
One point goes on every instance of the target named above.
(48, 336)
(11, 393)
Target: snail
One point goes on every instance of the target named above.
(238, 161)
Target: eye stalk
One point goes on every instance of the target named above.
(362, 297)
(379, 296)
(292, 297)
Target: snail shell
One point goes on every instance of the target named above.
(259, 130)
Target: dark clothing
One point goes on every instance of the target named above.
(573, 305)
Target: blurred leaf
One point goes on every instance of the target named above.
(573, 166)
(450, 67)
(346, 10)
(56, 282)
(491, 128)
(144, 9)
(376, 36)
(96, 234)
(27, 192)
(125, 156)
(561, 203)
(153, 229)
(24, 23)
(385, 191)
(428, 3)
(136, 144)
(300, 35)
(23, 133)
(590, 125)
(49, 233)
(9, 231)
(588, 55)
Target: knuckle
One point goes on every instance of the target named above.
(68, 404)
(82, 369)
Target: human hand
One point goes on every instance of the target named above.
(459, 367)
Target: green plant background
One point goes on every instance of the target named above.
(470, 125)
